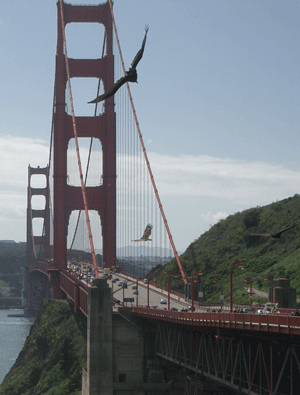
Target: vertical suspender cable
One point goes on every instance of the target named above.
(184, 278)
(77, 146)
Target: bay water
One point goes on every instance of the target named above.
(13, 333)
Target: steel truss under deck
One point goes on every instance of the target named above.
(247, 364)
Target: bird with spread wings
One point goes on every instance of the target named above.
(146, 235)
(130, 76)
(273, 235)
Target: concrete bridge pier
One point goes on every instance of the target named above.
(99, 376)
(121, 358)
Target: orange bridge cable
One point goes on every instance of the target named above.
(184, 278)
(77, 145)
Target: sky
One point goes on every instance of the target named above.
(217, 101)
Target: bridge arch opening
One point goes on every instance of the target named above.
(38, 202)
(91, 159)
(85, 40)
(37, 226)
(78, 237)
(38, 181)
(83, 91)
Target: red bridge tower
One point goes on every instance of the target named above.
(66, 197)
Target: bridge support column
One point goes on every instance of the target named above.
(99, 376)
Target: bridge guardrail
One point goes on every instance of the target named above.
(276, 323)
(76, 290)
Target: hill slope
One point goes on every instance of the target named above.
(231, 240)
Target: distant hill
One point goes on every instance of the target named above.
(145, 250)
(13, 257)
(231, 240)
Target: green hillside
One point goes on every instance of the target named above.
(53, 355)
(231, 240)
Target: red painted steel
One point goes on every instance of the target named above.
(76, 290)
(272, 323)
(85, 203)
(67, 198)
(43, 241)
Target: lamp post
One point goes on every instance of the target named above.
(250, 281)
(221, 293)
(150, 278)
(123, 294)
(192, 285)
(137, 295)
(271, 279)
(236, 264)
(169, 286)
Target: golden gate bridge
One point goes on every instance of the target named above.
(100, 195)
(102, 192)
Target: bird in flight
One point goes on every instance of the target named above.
(274, 235)
(146, 235)
(130, 76)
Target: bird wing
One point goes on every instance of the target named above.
(274, 235)
(260, 234)
(146, 234)
(278, 234)
(139, 55)
(130, 75)
(112, 90)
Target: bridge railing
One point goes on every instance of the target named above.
(76, 290)
(277, 323)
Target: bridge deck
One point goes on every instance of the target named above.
(271, 323)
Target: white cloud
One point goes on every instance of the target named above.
(212, 218)
(195, 190)
(240, 181)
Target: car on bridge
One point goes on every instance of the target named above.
(163, 301)
(247, 310)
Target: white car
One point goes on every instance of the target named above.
(163, 301)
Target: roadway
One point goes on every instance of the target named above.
(83, 271)
(141, 298)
